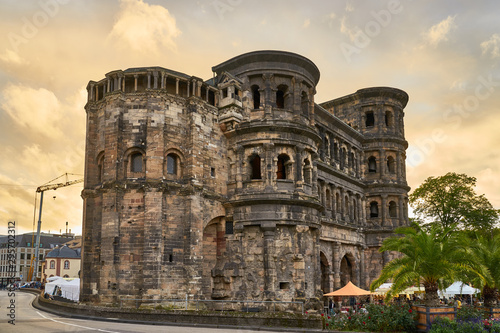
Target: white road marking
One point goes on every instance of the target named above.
(87, 328)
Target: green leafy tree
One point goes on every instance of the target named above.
(429, 256)
(485, 251)
(451, 200)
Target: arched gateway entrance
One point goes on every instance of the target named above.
(325, 273)
(347, 269)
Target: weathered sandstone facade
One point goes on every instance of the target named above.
(238, 187)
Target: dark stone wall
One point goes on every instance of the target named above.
(240, 187)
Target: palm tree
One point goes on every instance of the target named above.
(485, 251)
(428, 257)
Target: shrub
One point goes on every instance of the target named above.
(468, 313)
(445, 325)
(379, 318)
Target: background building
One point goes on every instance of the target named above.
(24, 251)
(62, 261)
(239, 187)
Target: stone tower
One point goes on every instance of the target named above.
(238, 187)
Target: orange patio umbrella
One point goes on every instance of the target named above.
(349, 290)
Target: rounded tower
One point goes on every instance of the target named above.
(266, 112)
(151, 180)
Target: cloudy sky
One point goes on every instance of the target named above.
(444, 54)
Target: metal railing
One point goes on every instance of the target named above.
(218, 305)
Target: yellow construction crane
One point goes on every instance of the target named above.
(33, 272)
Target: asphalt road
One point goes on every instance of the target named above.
(30, 320)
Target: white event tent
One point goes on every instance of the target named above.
(458, 288)
(69, 289)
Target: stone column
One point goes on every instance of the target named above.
(398, 166)
(267, 171)
(163, 80)
(314, 180)
(120, 83)
(332, 150)
(177, 86)
(342, 203)
(108, 84)
(401, 213)
(363, 211)
(383, 209)
(136, 76)
(149, 80)
(362, 274)
(188, 86)
(331, 280)
(155, 81)
(405, 213)
(296, 98)
(403, 165)
(382, 164)
(267, 95)
(336, 265)
(359, 208)
(311, 107)
(240, 155)
(334, 202)
(299, 150)
(357, 273)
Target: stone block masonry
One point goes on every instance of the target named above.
(238, 187)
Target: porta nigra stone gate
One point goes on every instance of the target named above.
(240, 186)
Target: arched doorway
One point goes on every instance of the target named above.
(347, 269)
(325, 274)
(214, 244)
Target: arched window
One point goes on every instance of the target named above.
(256, 96)
(136, 162)
(391, 164)
(280, 96)
(393, 211)
(255, 167)
(372, 164)
(373, 209)
(100, 168)
(281, 172)
(389, 119)
(370, 119)
(280, 99)
(52, 264)
(172, 164)
(66, 264)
